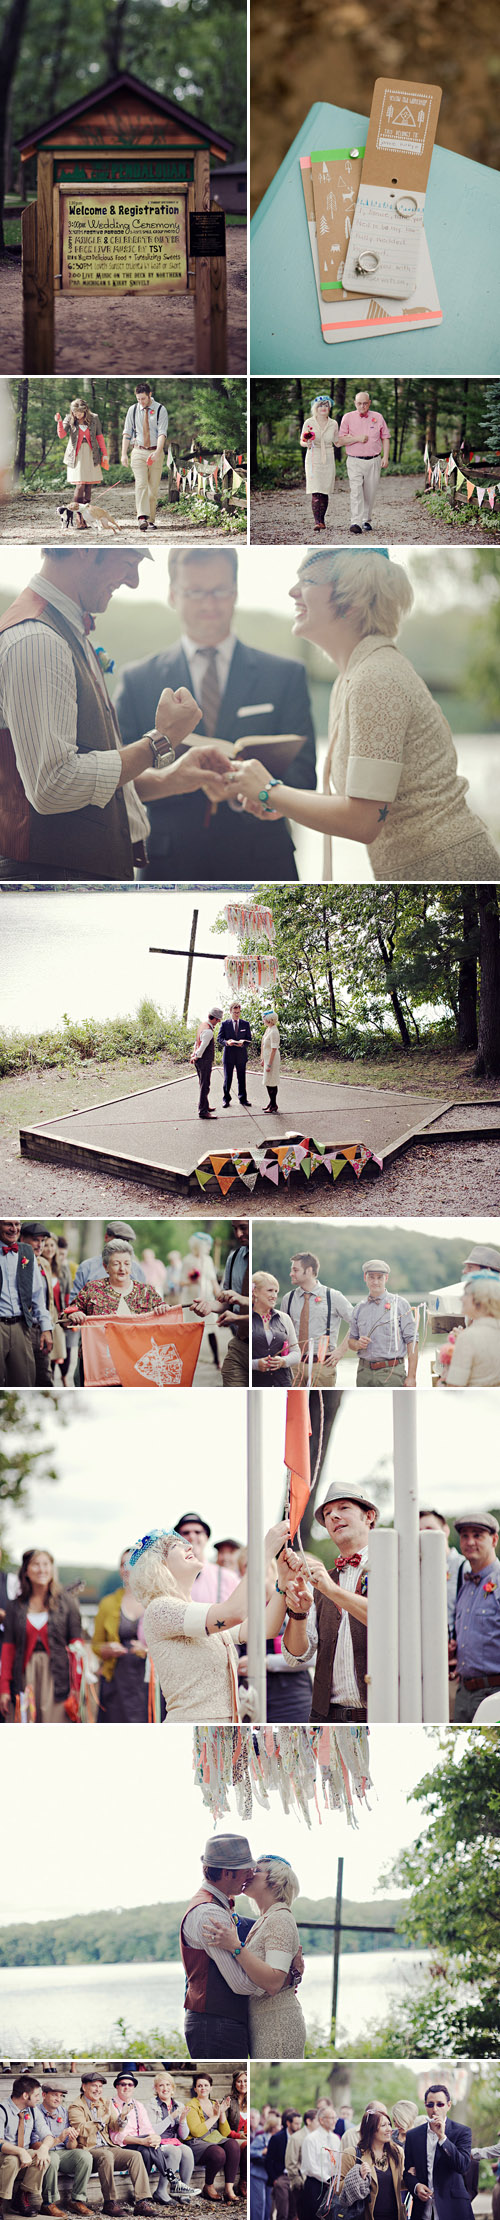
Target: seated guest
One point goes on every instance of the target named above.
(243, 693)
(66, 2162)
(134, 2129)
(377, 2172)
(190, 1645)
(93, 2115)
(476, 1353)
(383, 1332)
(275, 1349)
(42, 1624)
(170, 2118)
(238, 2121)
(213, 2146)
(319, 2158)
(23, 1307)
(24, 2154)
(117, 1641)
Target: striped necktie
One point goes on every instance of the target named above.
(210, 691)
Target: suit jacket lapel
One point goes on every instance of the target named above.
(242, 681)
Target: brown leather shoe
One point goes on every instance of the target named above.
(75, 2204)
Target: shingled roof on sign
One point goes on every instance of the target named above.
(112, 93)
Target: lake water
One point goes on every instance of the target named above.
(80, 2005)
(88, 954)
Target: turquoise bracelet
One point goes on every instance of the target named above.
(265, 791)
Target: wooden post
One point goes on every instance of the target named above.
(218, 306)
(203, 352)
(38, 273)
(336, 1948)
(189, 973)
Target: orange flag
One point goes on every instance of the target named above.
(146, 1352)
(297, 1454)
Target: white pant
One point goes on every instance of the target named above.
(363, 480)
(147, 481)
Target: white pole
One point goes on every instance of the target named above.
(255, 1705)
(434, 1622)
(383, 1676)
(404, 1408)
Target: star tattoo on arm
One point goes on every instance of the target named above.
(383, 813)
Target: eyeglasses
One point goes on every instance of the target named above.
(208, 593)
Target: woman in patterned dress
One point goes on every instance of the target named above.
(277, 2024)
(391, 780)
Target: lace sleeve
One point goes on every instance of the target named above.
(278, 1941)
(169, 1617)
(379, 711)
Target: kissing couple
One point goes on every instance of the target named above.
(242, 1974)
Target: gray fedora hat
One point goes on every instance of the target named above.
(343, 1495)
(231, 1851)
(483, 1257)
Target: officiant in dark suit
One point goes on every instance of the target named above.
(243, 692)
(234, 1038)
(437, 2162)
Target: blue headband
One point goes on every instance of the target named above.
(158, 1534)
(322, 397)
(318, 555)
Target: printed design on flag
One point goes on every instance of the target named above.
(164, 1366)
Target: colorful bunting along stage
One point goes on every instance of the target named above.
(310, 1768)
(436, 477)
(277, 1162)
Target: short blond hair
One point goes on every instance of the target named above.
(486, 1300)
(151, 1576)
(364, 585)
(280, 1878)
(260, 1279)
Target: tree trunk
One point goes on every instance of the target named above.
(339, 408)
(432, 417)
(254, 460)
(329, 972)
(113, 43)
(10, 43)
(393, 992)
(22, 422)
(467, 975)
(314, 999)
(461, 423)
(58, 54)
(113, 423)
(487, 1064)
(395, 388)
(299, 402)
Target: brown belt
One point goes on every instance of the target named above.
(482, 1680)
(380, 1364)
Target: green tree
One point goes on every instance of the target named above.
(453, 1873)
(27, 1450)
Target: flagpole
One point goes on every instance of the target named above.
(256, 1646)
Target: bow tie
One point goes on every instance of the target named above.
(341, 1561)
(89, 622)
(10, 1248)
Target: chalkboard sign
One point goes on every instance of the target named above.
(207, 231)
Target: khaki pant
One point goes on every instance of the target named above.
(32, 2176)
(390, 1375)
(235, 1366)
(363, 480)
(17, 1363)
(147, 481)
(323, 1375)
(107, 2161)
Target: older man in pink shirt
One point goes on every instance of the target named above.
(368, 455)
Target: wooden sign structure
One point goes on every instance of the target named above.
(120, 175)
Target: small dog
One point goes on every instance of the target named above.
(99, 517)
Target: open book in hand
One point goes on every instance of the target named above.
(275, 749)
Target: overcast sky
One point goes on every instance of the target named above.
(134, 1831)
(129, 1461)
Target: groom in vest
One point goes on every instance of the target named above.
(22, 1306)
(339, 1690)
(216, 2014)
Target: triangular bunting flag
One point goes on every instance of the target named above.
(169, 458)
(460, 477)
(336, 1165)
(203, 1177)
(271, 1171)
(306, 1166)
(426, 453)
(470, 488)
(249, 1179)
(224, 1182)
(491, 496)
(480, 490)
(236, 480)
(451, 463)
(217, 1162)
(224, 465)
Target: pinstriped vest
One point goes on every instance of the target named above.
(95, 843)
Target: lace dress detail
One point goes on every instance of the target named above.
(197, 1671)
(320, 458)
(277, 2024)
(389, 742)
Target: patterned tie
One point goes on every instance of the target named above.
(304, 1325)
(146, 435)
(210, 691)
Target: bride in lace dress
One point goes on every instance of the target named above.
(276, 2019)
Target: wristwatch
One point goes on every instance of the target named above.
(161, 749)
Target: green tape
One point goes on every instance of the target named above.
(336, 154)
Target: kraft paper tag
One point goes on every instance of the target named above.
(336, 177)
(383, 252)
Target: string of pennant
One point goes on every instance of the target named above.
(309, 1768)
(202, 473)
(251, 919)
(277, 1162)
(438, 476)
(257, 973)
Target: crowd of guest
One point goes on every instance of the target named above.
(295, 1332)
(53, 2138)
(170, 1639)
(393, 2162)
(45, 1298)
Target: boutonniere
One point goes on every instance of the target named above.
(24, 1260)
(106, 661)
(488, 1587)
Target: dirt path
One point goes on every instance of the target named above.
(34, 518)
(399, 517)
(100, 334)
